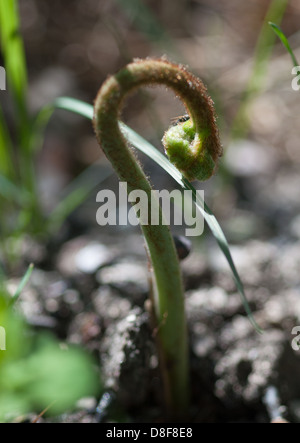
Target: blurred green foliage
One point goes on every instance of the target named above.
(36, 371)
(21, 135)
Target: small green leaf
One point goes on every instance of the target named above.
(278, 31)
(22, 284)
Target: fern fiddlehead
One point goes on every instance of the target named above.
(193, 146)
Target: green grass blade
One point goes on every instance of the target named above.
(79, 189)
(6, 149)
(37, 127)
(11, 192)
(212, 222)
(147, 148)
(22, 284)
(265, 45)
(74, 105)
(66, 206)
(284, 41)
(15, 64)
(76, 193)
(13, 52)
(263, 52)
(223, 244)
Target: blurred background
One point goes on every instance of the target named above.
(71, 47)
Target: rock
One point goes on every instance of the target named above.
(125, 358)
(207, 303)
(110, 305)
(83, 255)
(90, 258)
(85, 328)
(129, 276)
(252, 363)
(195, 271)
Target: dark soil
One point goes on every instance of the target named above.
(236, 373)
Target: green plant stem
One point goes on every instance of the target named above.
(168, 289)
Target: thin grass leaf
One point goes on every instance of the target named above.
(212, 222)
(66, 207)
(13, 52)
(147, 148)
(263, 51)
(76, 193)
(38, 126)
(2, 281)
(284, 41)
(265, 45)
(223, 244)
(22, 284)
(12, 192)
(74, 105)
(80, 188)
(15, 64)
(6, 166)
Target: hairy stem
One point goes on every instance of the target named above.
(168, 293)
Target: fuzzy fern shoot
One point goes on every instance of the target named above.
(193, 146)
